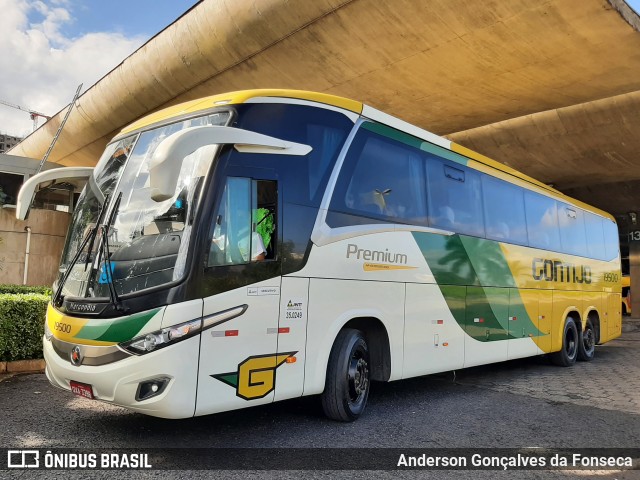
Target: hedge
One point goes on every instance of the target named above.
(22, 318)
(24, 289)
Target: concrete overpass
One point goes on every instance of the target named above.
(551, 88)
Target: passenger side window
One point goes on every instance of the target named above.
(245, 225)
(572, 233)
(382, 178)
(504, 211)
(542, 221)
(611, 239)
(595, 236)
(455, 200)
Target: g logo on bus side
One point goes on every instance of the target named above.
(256, 375)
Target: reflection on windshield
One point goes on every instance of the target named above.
(100, 186)
(146, 239)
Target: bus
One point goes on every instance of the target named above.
(263, 245)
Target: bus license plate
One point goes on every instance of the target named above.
(82, 389)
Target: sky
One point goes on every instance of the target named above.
(45, 45)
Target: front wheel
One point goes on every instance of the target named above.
(347, 385)
(569, 351)
(587, 344)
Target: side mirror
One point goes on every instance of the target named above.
(31, 186)
(167, 159)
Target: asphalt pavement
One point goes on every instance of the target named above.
(516, 404)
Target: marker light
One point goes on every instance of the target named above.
(162, 338)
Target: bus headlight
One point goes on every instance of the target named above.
(162, 338)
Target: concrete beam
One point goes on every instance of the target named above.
(446, 66)
(581, 148)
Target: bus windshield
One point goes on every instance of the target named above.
(146, 240)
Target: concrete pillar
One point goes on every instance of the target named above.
(634, 277)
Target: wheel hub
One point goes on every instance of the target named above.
(358, 377)
(570, 342)
(589, 339)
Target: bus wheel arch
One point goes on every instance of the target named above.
(571, 336)
(359, 354)
(589, 337)
(377, 339)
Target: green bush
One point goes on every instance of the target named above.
(22, 319)
(24, 289)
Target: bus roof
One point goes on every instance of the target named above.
(234, 98)
(481, 162)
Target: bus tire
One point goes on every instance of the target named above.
(587, 344)
(570, 340)
(348, 377)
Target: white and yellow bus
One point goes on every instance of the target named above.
(263, 245)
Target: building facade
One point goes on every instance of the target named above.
(7, 142)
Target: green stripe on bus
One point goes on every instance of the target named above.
(415, 142)
(447, 259)
(93, 329)
(488, 262)
(117, 330)
(477, 284)
(487, 313)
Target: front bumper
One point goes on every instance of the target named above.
(118, 382)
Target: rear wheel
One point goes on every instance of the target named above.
(348, 378)
(569, 351)
(587, 344)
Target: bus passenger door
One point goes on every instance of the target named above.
(238, 355)
(486, 324)
(241, 284)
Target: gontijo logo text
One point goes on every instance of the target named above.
(557, 271)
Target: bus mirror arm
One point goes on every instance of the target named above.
(31, 186)
(166, 162)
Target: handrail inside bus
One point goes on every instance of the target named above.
(166, 163)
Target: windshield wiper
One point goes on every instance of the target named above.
(91, 235)
(108, 270)
(57, 297)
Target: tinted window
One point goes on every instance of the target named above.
(572, 234)
(611, 240)
(382, 178)
(324, 130)
(542, 221)
(504, 211)
(455, 200)
(595, 236)
(244, 229)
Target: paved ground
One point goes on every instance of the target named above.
(612, 382)
(524, 403)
